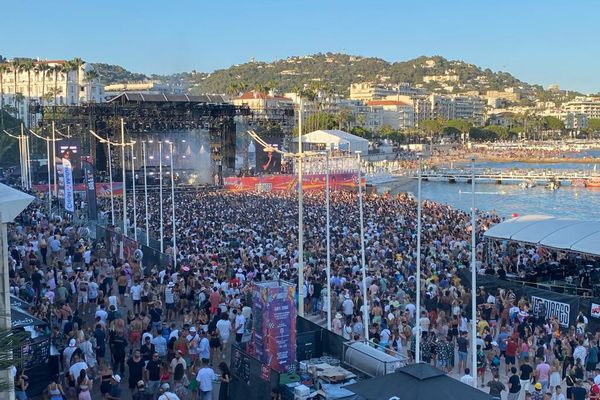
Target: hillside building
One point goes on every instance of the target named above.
(590, 106)
(150, 87)
(54, 86)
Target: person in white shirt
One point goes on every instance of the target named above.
(102, 314)
(467, 379)
(77, 366)
(166, 394)
(136, 296)
(205, 379)
(240, 323)
(224, 328)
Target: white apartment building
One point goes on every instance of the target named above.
(394, 113)
(149, 87)
(590, 106)
(571, 120)
(368, 91)
(67, 87)
(269, 107)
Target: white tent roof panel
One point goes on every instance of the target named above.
(590, 244)
(558, 233)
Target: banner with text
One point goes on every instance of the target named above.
(90, 187)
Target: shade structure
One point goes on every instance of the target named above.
(338, 140)
(12, 202)
(557, 233)
(21, 318)
(416, 382)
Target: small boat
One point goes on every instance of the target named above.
(527, 184)
(552, 185)
(578, 182)
(592, 183)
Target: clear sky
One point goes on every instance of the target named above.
(539, 41)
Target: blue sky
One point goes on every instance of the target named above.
(537, 41)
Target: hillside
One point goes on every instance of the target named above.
(116, 74)
(334, 72)
(338, 71)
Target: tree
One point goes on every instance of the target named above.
(15, 65)
(594, 124)
(43, 69)
(28, 66)
(90, 76)
(461, 125)
(552, 123)
(345, 118)
(430, 127)
(74, 65)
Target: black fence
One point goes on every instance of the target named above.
(565, 307)
(121, 246)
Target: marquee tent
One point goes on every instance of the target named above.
(557, 233)
(416, 382)
(338, 140)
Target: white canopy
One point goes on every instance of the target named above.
(337, 139)
(12, 202)
(546, 231)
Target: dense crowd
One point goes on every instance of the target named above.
(166, 331)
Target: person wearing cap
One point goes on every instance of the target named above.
(147, 349)
(115, 388)
(537, 392)
(170, 300)
(68, 354)
(166, 393)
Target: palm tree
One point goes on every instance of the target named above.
(28, 66)
(43, 68)
(90, 76)
(3, 70)
(57, 69)
(75, 64)
(15, 65)
(232, 89)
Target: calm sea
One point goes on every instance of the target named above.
(506, 200)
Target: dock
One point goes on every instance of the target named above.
(506, 177)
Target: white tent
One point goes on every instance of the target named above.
(12, 202)
(558, 233)
(338, 140)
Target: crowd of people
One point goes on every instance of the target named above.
(167, 333)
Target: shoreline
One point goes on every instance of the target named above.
(548, 160)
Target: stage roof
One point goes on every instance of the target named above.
(558, 233)
(169, 98)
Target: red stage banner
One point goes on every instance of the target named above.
(273, 183)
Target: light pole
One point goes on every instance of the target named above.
(146, 194)
(54, 159)
(418, 280)
(160, 193)
(110, 178)
(300, 220)
(125, 231)
(362, 252)
(173, 207)
(473, 279)
(328, 270)
(133, 189)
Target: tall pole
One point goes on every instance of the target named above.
(418, 280)
(125, 231)
(473, 279)
(300, 221)
(146, 194)
(110, 178)
(362, 253)
(173, 207)
(133, 189)
(28, 160)
(328, 270)
(54, 160)
(48, 168)
(22, 160)
(160, 193)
